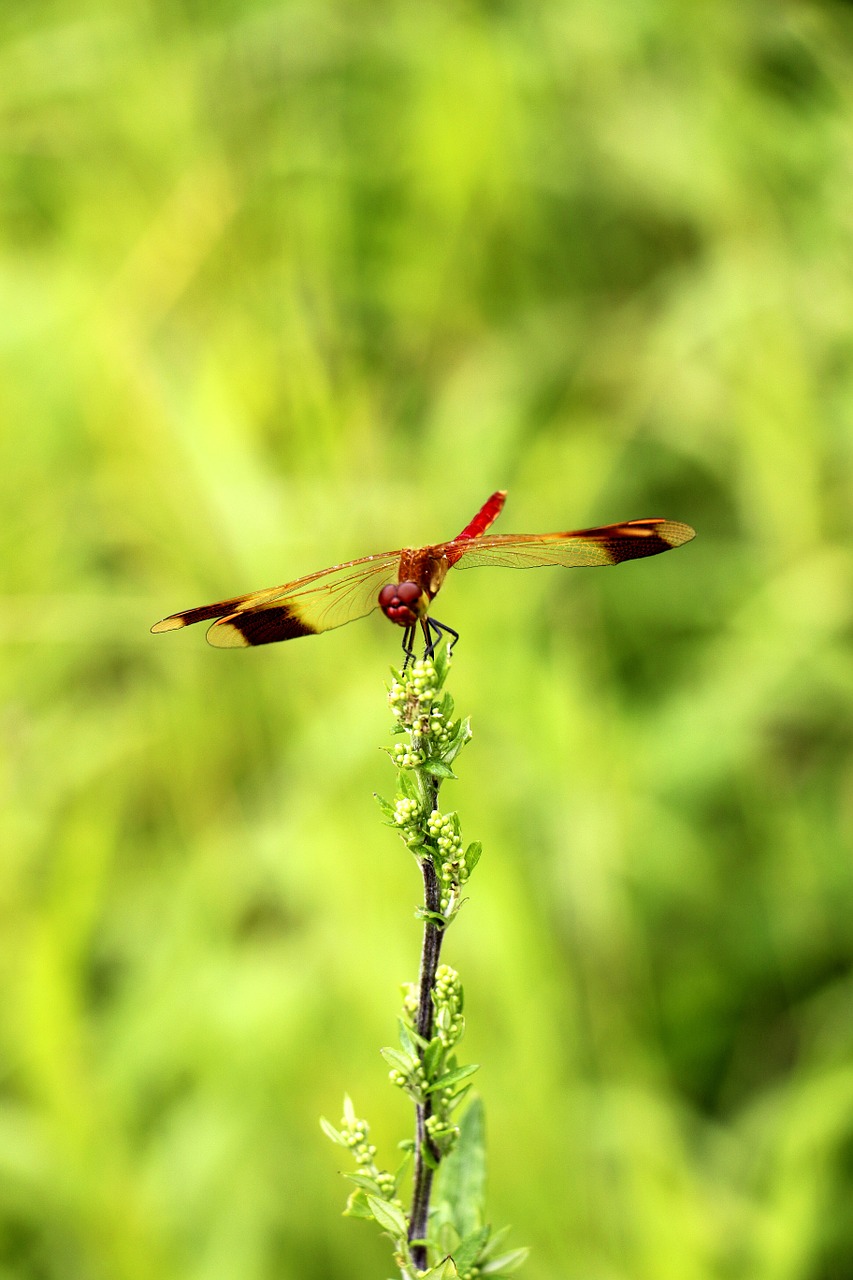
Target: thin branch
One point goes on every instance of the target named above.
(424, 1169)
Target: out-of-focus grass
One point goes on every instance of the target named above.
(284, 284)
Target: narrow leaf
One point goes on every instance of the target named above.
(387, 809)
(469, 1250)
(453, 1077)
(462, 1177)
(399, 1060)
(364, 1181)
(409, 786)
(472, 855)
(438, 769)
(389, 1217)
(357, 1206)
(331, 1132)
(506, 1264)
(406, 1039)
(412, 1039)
(458, 741)
(434, 916)
(446, 1270)
(495, 1241)
(460, 1094)
(429, 1159)
(432, 1057)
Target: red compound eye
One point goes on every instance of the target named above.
(399, 600)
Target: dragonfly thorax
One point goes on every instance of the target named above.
(403, 603)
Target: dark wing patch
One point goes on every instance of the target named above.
(264, 625)
(203, 613)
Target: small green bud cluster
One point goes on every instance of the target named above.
(406, 756)
(442, 1133)
(355, 1137)
(433, 739)
(406, 811)
(354, 1134)
(412, 1079)
(410, 1002)
(450, 864)
(447, 998)
(414, 693)
(442, 828)
(435, 726)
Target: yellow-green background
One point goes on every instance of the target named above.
(287, 283)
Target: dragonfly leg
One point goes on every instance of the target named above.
(432, 624)
(408, 645)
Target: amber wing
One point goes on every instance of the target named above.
(304, 607)
(610, 544)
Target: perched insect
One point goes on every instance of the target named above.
(332, 597)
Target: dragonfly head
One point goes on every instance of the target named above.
(403, 602)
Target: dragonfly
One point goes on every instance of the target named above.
(404, 583)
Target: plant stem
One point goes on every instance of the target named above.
(425, 1169)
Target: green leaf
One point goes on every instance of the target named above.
(445, 1270)
(506, 1264)
(400, 1060)
(434, 916)
(409, 788)
(462, 1177)
(410, 1040)
(429, 1159)
(357, 1206)
(459, 739)
(469, 1250)
(387, 809)
(364, 1181)
(459, 1097)
(432, 1057)
(389, 1217)
(445, 1237)
(472, 855)
(406, 1039)
(331, 1132)
(452, 1077)
(437, 769)
(496, 1239)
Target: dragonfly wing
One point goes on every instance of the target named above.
(207, 611)
(322, 600)
(306, 608)
(610, 544)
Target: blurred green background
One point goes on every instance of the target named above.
(287, 283)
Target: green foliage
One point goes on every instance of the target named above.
(460, 1194)
(287, 283)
